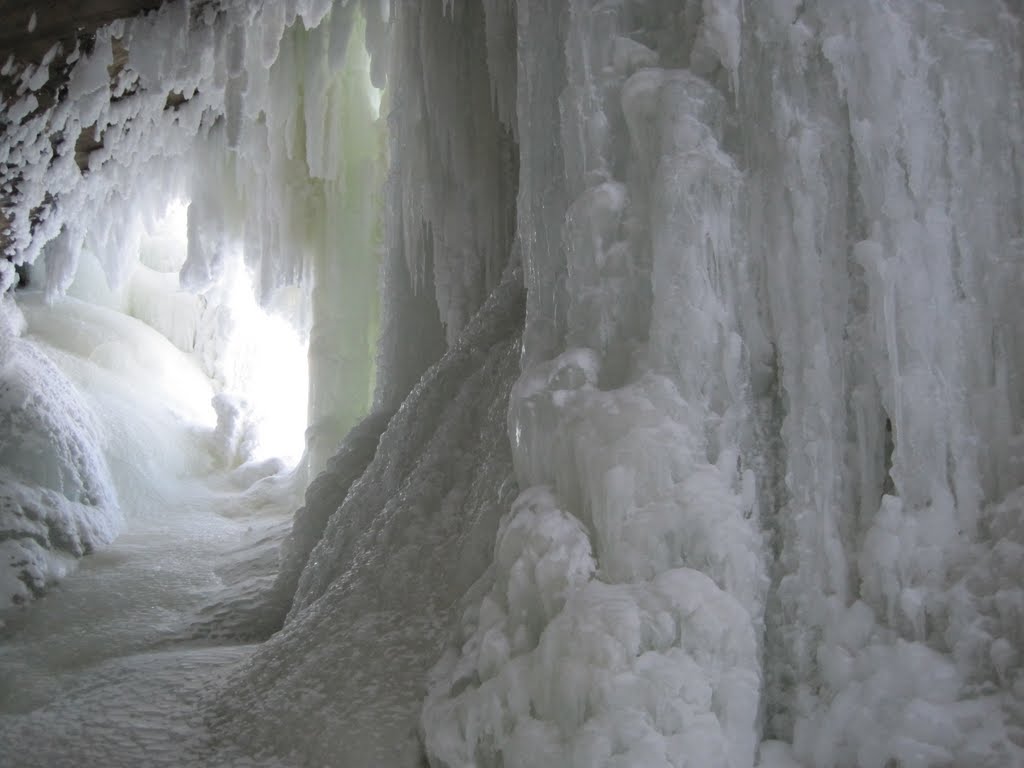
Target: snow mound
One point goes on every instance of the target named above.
(57, 498)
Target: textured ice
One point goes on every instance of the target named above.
(99, 673)
(324, 496)
(57, 497)
(766, 403)
(558, 668)
(558, 661)
(410, 538)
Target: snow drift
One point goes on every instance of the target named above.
(57, 498)
(742, 483)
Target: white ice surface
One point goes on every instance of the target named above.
(57, 494)
(106, 668)
(100, 672)
(771, 367)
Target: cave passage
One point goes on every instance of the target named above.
(515, 383)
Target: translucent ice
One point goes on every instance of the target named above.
(755, 496)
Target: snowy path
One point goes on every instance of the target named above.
(110, 667)
(96, 673)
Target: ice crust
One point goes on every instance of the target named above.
(412, 535)
(742, 487)
(57, 496)
(742, 227)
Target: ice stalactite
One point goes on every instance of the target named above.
(300, 195)
(335, 220)
(451, 188)
(454, 176)
(264, 117)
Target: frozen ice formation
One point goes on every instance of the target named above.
(57, 498)
(697, 426)
(381, 587)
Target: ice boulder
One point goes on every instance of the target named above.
(57, 499)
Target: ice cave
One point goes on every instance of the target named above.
(512, 383)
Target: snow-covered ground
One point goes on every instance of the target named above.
(107, 665)
(105, 669)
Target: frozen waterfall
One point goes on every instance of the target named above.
(666, 382)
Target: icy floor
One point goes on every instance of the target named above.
(100, 672)
(109, 668)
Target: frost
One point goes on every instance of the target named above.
(741, 485)
(57, 497)
(353, 595)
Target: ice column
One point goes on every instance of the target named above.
(452, 184)
(621, 624)
(884, 144)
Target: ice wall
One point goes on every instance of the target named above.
(886, 260)
(785, 233)
(451, 187)
(381, 586)
(743, 484)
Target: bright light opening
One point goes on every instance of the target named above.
(255, 358)
(165, 244)
(266, 366)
